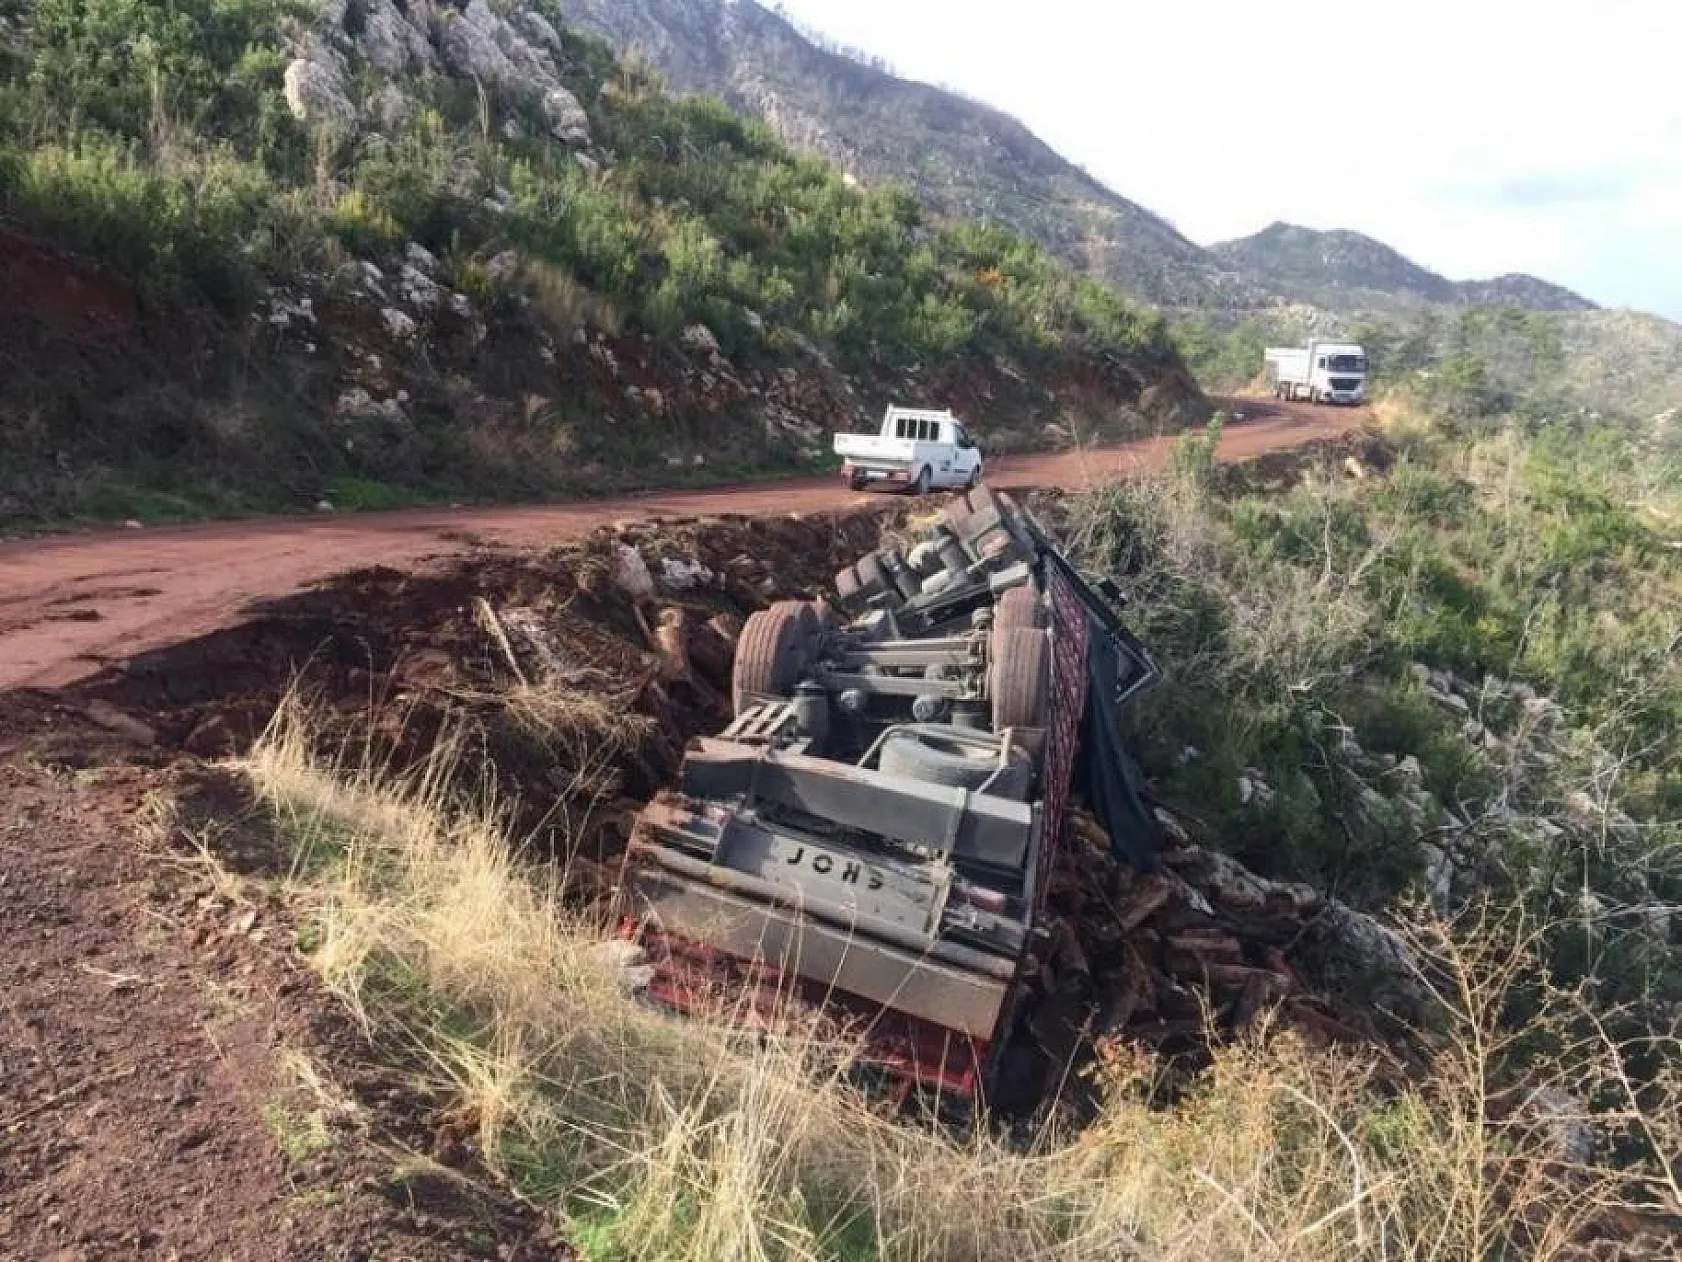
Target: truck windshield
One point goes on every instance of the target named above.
(1348, 363)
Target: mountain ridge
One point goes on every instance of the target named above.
(968, 159)
(964, 158)
(1309, 265)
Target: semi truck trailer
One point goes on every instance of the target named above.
(1321, 372)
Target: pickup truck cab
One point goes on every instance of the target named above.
(916, 450)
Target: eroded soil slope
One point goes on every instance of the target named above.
(69, 606)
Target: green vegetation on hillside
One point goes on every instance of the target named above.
(156, 140)
(1457, 680)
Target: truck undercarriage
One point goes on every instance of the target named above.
(870, 838)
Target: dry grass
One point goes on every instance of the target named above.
(565, 301)
(654, 1138)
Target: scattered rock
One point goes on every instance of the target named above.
(316, 94)
(283, 311)
(568, 123)
(418, 256)
(398, 324)
(503, 267)
(1450, 700)
(680, 574)
(698, 337)
(417, 289)
(365, 276)
(1409, 771)
(1253, 789)
(630, 573)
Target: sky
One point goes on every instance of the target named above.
(1478, 137)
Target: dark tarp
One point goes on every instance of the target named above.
(1112, 782)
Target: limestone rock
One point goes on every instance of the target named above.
(568, 123)
(398, 324)
(389, 110)
(385, 37)
(317, 94)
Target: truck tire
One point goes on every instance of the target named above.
(1019, 607)
(805, 613)
(931, 753)
(924, 483)
(771, 656)
(874, 580)
(1019, 677)
(974, 478)
(847, 589)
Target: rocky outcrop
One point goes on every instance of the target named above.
(515, 58)
(472, 51)
(395, 42)
(568, 123)
(317, 94)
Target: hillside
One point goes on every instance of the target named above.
(1339, 269)
(357, 254)
(962, 157)
(1490, 361)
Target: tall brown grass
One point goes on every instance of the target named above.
(651, 1137)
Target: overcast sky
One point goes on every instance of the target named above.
(1477, 137)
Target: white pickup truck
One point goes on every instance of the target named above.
(916, 450)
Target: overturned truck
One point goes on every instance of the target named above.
(872, 835)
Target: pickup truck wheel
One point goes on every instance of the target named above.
(924, 482)
(930, 753)
(1019, 677)
(1018, 607)
(974, 478)
(772, 654)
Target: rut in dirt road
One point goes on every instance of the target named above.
(69, 606)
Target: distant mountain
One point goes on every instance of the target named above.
(1341, 269)
(963, 158)
(1516, 289)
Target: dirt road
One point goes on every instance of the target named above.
(69, 606)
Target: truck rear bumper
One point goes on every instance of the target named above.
(875, 475)
(792, 945)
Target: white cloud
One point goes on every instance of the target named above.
(1479, 137)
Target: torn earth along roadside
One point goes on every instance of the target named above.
(873, 835)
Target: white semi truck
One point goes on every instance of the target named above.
(1323, 372)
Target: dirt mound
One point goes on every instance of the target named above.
(532, 651)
